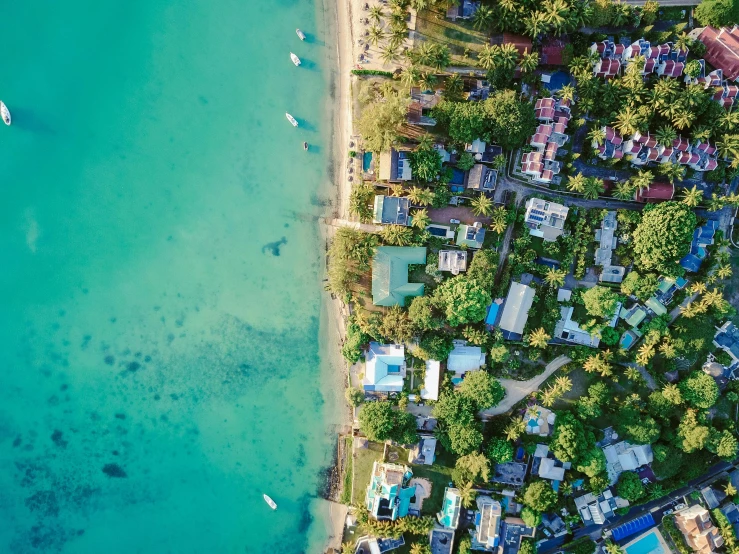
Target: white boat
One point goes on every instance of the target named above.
(269, 501)
(300, 34)
(305, 146)
(5, 113)
(290, 118)
(295, 59)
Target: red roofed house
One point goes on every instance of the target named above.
(722, 49)
(670, 68)
(606, 68)
(552, 52)
(657, 192)
(522, 43)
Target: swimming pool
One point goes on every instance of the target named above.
(366, 161)
(647, 544)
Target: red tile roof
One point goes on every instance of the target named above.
(560, 127)
(681, 144)
(722, 49)
(544, 103)
(552, 52)
(656, 192)
(521, 42)
(544, 113)
(635, 148)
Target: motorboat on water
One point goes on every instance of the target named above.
(305, 146)
(300, 34)
(5, 113)
(291, 119)
(268, 500)
(295, 59)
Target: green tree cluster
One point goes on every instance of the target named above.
(380, 421)
(663, 237)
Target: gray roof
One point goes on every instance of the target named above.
(441, 540)
(481, 177)
(391, 210)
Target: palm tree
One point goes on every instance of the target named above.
(420, 219)
(515, 428)
(613, 548)
(623, 191)
(507, 56)
(597, 136)
(397, 189)
(376, 14)
(555, 277)
(427, 81)
(713, 297)
(627, 121)
(397, 235)
(563, 384)
(729, 489)
(724, 271)
(688, 310)
(646, 352)
(467, 494)
(633, 374)
(417, 548)
(453, 86)
(414, 195)
(683, 119)
(567, 92)
(556, 12)
(692, 197)
(548, 397)
(376, 34)
(698, 287)
(535, 24)
(673, 171)
(389, 54)
(665, 135)
(486, 56)
(425, 142)
(483, 17)
(621, 14)
(529, 62)
(576, 183)
(482, 205)
(729, 120)
(728, 146)
(498, 219)
(716, 203)
(683, 41)
(594, 187)
(441, 56)
(539, 338)
(668, 350)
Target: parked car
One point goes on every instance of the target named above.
(455, 221)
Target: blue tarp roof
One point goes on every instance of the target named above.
(492, 314)
(691, 263)
(632, 527)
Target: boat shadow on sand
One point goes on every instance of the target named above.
(308, 64)
(28, 120)
(306, 125)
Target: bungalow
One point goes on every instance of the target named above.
(462, 9)
(607, 68)
(395, 166)
(516, 311)
(385, 368)
(547, 466)
(594, 510)
(539, 421)
(390, 286)
(541, 164)
(512, 531)
(634, 315)
(481, 178)
(656, 192)
(430, 390)
(415, 116)
(389, 492)
(623, 456)
(471, 236)
(451, 508)
(606, 237)
(670, 68)
(452, 260)
(441, 541)
(487, 524)
(545, 219)
(465, 358)
(510, 473)
(523, 44)
(375, 545)
(727, 339)
(703, 236)
(655, 306)
(568, 330)
(391, 210)
(722, 48)
(612, 147)
(696, 526)
(424, 452)
(667, 287)
(726, 95)
(552, 52)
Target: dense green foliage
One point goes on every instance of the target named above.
(460, 431)
(422, 314)
(425, 163)
(600, 301)
(663, 237)
(471, 468)
(381, 121)
(718, 13)
(699, 390)
(570, 440)
(540, 496)
(500, 451)
(380, 421)
(629, 486)
(482, 389)
(462, 300)
(434, 346)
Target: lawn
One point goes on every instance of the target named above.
(440, 477)
(363, 459)
(458, 35)
(346, 493)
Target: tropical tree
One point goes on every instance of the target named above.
(729, 489)
(716, 203)
(376, 14)
(498, 219)
(683, 118)
(486, 56)
(623, 191)
(467, 494)
(673, 171)
(483, 17)
(576, 183)
(375, 35)
(482, 205)
(421, 219)
(724, 271)
(665, 135)
(529, 62)
(389, 54)
(645, 354)
(597, 136)
(453, 86)
(627, 121)
(410, 76)
(397, 235)
(555, 277)
(515, 428)
(535, 24)
(594, 187)
(692, 197)
(539, 338)
(427, 81)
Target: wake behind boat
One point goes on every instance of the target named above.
(290, 118)
(300, 34)
(5, 113)
(295, 59)
(269, 501)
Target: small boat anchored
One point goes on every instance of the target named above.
(305, 146)
(269, 501)
(295, 59)
(5, 113)
(300, 34)
(291, 119)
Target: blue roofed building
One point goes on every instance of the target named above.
(703, 236)
(384, 368)
(512, 530)
(487, 524)
(391, 210)
(389, 493)
(441, 540)
(450, 509)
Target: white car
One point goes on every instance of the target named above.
(455, 221)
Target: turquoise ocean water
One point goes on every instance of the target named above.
(160, 273)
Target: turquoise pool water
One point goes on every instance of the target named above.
(366, 161)
(648, 544)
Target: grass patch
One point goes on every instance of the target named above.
(363, 459)
(346, 492)
(440, 477)
(458, 35)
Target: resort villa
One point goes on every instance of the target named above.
(623, 456)
(487, 524)
(395, 166)
(698, 529)
(389, 494)
(463, 359)
(545, 219)
(448, 517)
(390, 285)
(516, 311)
(391, 210)
(384, 368)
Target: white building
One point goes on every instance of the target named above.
(545, 219)
(384, 368)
